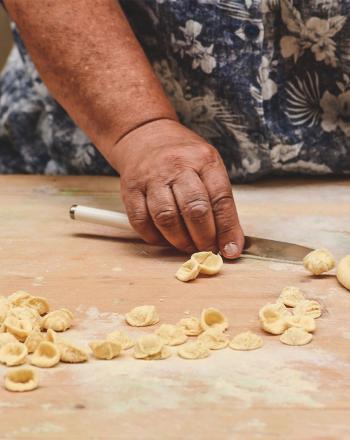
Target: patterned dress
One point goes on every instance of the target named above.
(267, 82)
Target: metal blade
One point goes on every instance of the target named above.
(274, 250)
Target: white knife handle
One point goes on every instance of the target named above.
(100, 216)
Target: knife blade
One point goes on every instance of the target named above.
(255, 247)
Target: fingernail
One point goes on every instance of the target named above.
(230, 250)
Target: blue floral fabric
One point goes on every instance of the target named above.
(267, 82)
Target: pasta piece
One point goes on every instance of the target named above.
(193, 350)
(121, 338)
(70, 353)
(246, 341)
(4, 309)
(58, 320)
(343, 272)
(308, 308)
(305, 322)
(151, 347)
(273, 318)
(21, 379)
(20, 328)
(209, 263)
(291, 296)
(25, 313)
(171, 334)
(213, 318)
(191, 326)
(51, 336)
(13, 353)
(39, 303)
(18, 298)
(6, 338)
(319, 261)
(214, 339)
(295, 336)
(46, 355)
(33, 340)
(142, 316)
(188, 271)
(105, 349)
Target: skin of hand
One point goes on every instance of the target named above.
(175, 185)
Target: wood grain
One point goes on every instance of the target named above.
(99, 273)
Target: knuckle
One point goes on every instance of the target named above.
(139, 219)
(196, 210)
(222, 202)
(166, 218)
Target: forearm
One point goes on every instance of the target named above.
(90, 60)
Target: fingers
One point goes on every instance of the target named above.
(194, 204)
(229, 233)
(166, 216)
(139, 216)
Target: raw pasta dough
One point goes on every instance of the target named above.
(13, 353)
(273, 318)
(58, 320)
(193, 350)
(21, 379)
(122, 339)
(151, 347)
(214, 339)
(319, 261)
(291, 296)
(142, 316)
(213, 318)
(105, 349)
(188, 271)
(70, 353)
(207, 263)
(305, 322)
(343, 272)
(171, 334)
(308, 308)
(46, 355)
(295, 336)
(191, 326)
(246, 341)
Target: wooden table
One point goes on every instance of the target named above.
(278, 392)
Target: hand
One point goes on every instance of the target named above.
(175, 187)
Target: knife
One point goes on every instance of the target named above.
(254, 247)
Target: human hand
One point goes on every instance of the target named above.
(175, 187)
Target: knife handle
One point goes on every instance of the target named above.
(100, 217)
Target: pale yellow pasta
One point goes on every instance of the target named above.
(13, 353)
(212, 317)
(33, 340)
(191, 326)
(209, 263)
(151, 347)
(171, 334)
(246, 341)
(296, 336)
(46, 355)
(70, 353)
(193, 350)
(121, 338)
(291, 296)
(142, 316)
(105, 349)
(58, 320)
(21, 379)
(319, 261)
(214, 339)
(188, 271)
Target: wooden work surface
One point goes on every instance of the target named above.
(277, 392)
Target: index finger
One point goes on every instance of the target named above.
(230, 236)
